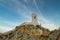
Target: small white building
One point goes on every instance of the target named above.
(34, 20)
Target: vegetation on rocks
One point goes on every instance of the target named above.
(30, 32)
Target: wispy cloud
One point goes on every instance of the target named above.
(9, 22)
(6, 25)
(4, 29)
(45, 22)
(24, 12)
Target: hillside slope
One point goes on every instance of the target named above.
(30, 32)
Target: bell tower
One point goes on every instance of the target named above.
(34, 19)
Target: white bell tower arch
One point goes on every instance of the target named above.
(34, 19)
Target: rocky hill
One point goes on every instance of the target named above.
(30, 32)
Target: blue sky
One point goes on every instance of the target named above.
(15, 12)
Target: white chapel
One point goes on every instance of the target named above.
(34, 20)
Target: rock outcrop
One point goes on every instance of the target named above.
(30, 32)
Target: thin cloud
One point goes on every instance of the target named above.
(47, 24)
(23, 11)
(44, 21)
(4, 29)
(9, 22)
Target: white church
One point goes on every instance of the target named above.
(33, 22)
